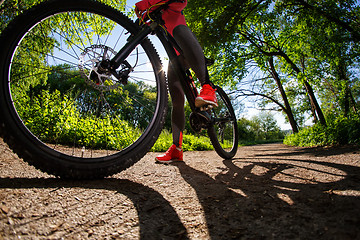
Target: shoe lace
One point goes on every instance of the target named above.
(207, 90)
(170, 149)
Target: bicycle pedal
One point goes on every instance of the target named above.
(206, 107)
(205, 115)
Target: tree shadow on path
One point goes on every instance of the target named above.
(268, 199)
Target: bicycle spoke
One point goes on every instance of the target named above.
(68, 112)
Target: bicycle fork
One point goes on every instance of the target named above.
(110, 66)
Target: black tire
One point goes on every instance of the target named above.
(223, 131)
(82, 130)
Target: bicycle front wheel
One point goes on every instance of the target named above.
(223, 131)
(59, 110)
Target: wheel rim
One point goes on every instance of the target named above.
(224, 124)
(73, 112)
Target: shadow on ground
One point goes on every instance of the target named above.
(267, 195)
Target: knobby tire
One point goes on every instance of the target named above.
(47, 157)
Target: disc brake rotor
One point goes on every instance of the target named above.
(89, 66)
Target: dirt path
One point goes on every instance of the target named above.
(267, 192)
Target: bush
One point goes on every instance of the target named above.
(41, 115)
(190, 142)
(338, 131)
(260, 129)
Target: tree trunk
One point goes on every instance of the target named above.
(288, 110)
(315, 103)
(346, 97)
(353, 102)
(308, 88)
(347, 102)
(313, 111)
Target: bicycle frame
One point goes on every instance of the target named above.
(169, 44)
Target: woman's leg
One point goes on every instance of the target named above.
(178, 111)
(192, 51)
(194, 56)
(175, 152)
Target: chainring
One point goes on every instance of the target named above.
(199, 122)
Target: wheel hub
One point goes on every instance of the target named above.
(94, 65)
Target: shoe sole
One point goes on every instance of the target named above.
(199, 102)
(170, 161)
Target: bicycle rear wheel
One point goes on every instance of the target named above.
(59, 111)
(223, 131)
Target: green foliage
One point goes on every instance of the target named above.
(196, 143)
(11, 8)
(55, 119)
(190, 142)
(310, 41)
(315, 42)
(163, 142)
(259, 129)
(134, 102)
(340, 130)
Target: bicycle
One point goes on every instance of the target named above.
(83, 92)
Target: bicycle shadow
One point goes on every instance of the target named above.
(241, 204)
(158, 221)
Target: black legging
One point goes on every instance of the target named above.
(195, 59)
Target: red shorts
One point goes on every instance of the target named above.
(173, 16)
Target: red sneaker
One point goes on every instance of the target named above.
(207, 96)
(172, 154)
